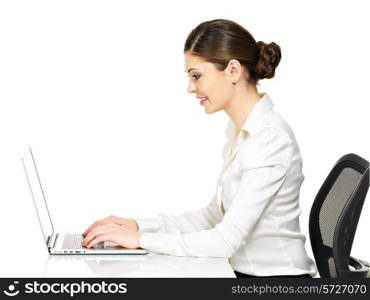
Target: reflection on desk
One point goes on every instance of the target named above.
(150, 265)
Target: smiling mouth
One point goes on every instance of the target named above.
(203, 101)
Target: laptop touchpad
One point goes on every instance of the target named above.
(112, 246)
(99, 245)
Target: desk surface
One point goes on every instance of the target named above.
(26, 255)
(150, 265)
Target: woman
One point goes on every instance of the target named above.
(253, 218)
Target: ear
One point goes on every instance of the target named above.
(233, 70)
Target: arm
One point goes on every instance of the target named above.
(264, 167)
(205, 218)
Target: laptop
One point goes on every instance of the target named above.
(62, 243)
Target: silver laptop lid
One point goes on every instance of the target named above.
(37, 193)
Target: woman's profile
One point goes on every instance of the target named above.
(253, 217)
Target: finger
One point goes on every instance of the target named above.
(95, 240)
(100, 238)
(101, 229)
(96, 231)
(91, 227)
(92, 234)
(109, 219)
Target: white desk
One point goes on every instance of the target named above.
(150, 265)
(26, 256)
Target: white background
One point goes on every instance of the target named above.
(97, 89)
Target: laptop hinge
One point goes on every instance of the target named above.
(48, 242)
(55, 240)
(52, 240)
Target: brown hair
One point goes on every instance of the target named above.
(217, 41)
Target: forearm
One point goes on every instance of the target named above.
(205, 218)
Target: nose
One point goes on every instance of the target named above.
(191, 87)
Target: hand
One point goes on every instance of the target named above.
(127, 223)
(113, 233)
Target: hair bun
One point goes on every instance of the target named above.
(269, 58)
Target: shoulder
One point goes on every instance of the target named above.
(271, 134)
(274, 129)
(270, 145)
(280, 125)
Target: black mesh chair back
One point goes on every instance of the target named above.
(334, 217)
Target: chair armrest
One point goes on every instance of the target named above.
(362, 269)
(358, 264)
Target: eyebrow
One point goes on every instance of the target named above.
(191, 70)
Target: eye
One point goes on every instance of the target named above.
(197, 76)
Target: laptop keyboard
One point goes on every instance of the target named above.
(72, 241)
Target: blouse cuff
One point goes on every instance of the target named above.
(149, 241)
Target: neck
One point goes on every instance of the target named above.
(241, 104)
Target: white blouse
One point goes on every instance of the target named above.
(253, 218)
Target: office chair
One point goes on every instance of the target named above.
(334, 217)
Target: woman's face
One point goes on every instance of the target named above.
(205, 81)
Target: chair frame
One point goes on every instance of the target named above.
(346, 224)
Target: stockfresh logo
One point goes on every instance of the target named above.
(11, 291)
(71, 289)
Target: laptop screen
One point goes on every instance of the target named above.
(37, 194)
